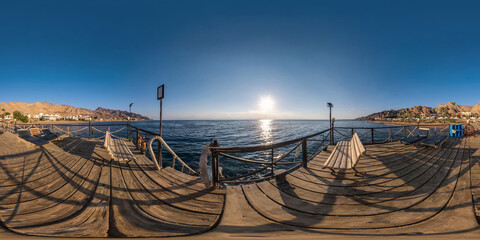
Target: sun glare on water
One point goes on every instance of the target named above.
(266, 104)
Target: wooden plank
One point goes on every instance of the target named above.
(133, 221)
(329, 159)
(335, 155)
(56, 213)
(346, 156)
(340, 155)
(300, 215)
(200, 201)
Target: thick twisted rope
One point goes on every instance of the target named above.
(118, 130)
(383, 134)
(399, 131)
(78, 130)
(60, 129)
(94, 128)
(118, 137)
(342, 134)
(365, 133)
(412, 132)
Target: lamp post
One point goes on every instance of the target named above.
(129, 117)
(160, 95)
(3, 109)
(330, 105)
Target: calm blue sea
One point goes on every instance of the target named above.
(188, 137)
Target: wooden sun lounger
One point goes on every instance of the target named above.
(36, 136)
(412, 139)
(345, 155)
(35, 132)
(434, 141)
(415, 138)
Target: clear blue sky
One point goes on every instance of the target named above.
(219, 58)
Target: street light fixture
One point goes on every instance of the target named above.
(330, 105)
(129, 117)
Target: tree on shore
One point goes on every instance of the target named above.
(19, 116)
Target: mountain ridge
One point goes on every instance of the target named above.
(66, 110)
(442, 110)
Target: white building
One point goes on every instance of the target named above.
(71, 118)
(49, 117)
(37, 116)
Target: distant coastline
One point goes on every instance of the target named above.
(436, 123)
(75, 122)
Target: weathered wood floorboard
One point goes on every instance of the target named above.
(73, 188)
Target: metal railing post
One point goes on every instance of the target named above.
(271, 158)
(352, 132)
(89, 129)
(159, 154)
(390, 136)
(214, 169)
(215, 164)
(128, 129)
(372, 140)
(304, 153)
(15, 128)
(332, 133)
(137, 139)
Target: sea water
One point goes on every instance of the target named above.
(187, 138)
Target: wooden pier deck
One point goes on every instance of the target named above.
(71, 188)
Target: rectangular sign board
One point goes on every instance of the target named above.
(160, 92)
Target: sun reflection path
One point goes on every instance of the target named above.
(266, 127)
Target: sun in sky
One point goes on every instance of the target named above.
(266, 104)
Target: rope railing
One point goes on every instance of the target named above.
(271, 162)
(256, 162)
(96, 131)
(341, 134)
(118, 130)
(365, 133)
(264, 162)
(319, 146)
(399, 131)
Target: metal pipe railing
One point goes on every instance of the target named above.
(265, 159)
(375, 135)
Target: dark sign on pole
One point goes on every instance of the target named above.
(160, 95)
(160, 92)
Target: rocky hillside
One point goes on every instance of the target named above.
(65, 110)
(109, 113)
(444, 110)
